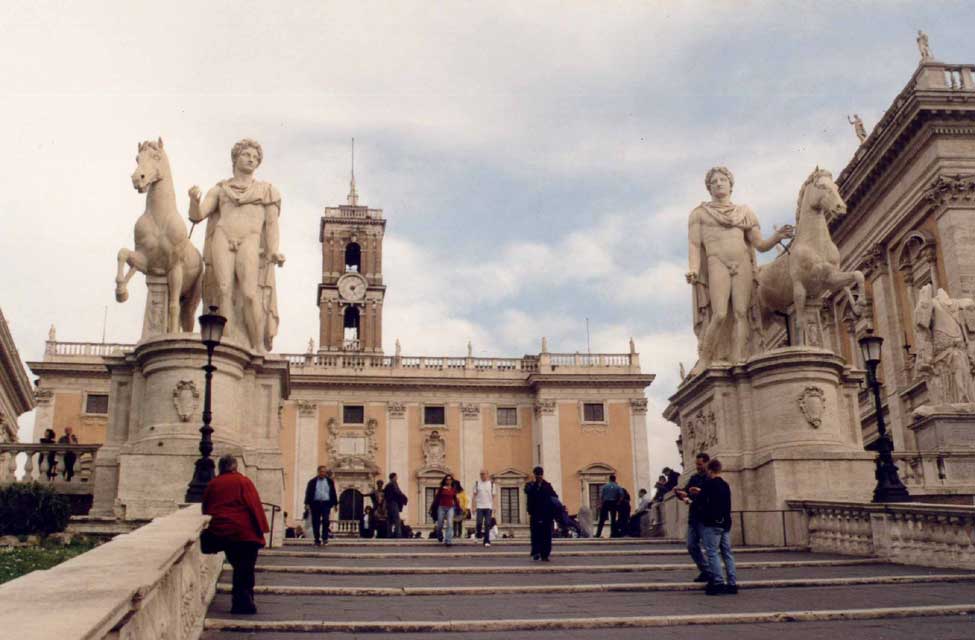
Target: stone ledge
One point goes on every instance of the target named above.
(213, 624)
(150, 583)
(593, 588)
(508, 554)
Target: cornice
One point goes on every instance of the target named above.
(17, 384)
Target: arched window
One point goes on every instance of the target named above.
(353, 257)
(351, 325)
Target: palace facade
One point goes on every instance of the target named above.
(365, 414)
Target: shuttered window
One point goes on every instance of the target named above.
(96, 403)
(593, 412)
(510, 505)
(507, 417)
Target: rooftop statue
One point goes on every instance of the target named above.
(241, 248)
(162, 246)
(722, 239)
(923, 46)
(857, 126)
(810, 267)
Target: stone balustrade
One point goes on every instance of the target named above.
(150, 584)
(36, 464)
(54, 348)
(934, 535)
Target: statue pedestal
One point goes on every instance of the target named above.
(785, 425)
(155, 416)
(157, 307)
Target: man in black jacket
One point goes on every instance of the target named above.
(541, 512)
(395, 501)
(320, 497)
(693, 515)
(715, 515)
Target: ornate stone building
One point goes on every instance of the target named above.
(910, 227)
(366, 414)
(16, 396)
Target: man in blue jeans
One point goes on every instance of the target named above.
(693, 516)
(715, 516)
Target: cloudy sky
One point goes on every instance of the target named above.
(536, 161)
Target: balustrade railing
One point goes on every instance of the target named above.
(86, 348)
(527, 364)
(39, 459)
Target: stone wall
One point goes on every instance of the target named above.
(928, 535)
(151, 583)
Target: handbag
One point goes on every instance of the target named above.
(210, 544)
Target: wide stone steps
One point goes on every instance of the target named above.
(424, 590)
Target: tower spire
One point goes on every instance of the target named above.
(353, 194)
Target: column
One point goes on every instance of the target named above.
(641, 453)
(44, 418)
(398, 447)
(548, 441)
(306, 452)
(472, 444)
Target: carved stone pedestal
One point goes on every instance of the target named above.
(785, 426)
(155, 416)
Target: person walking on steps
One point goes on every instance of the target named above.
(539, 502)
(446, 504)
(715, 517)
(694, 540)
(609, 498)
(484, 493)
(320, 498)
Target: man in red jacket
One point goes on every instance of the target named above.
(237, 520)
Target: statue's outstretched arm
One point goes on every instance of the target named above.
(764, 244)
(200, 210)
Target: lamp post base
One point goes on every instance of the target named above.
(202, 476)
(889, 485)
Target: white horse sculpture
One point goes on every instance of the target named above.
(162, 246)
(810, 267)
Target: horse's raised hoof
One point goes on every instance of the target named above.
(121, 294)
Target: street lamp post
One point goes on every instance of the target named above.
(211, 330)
(889, 486)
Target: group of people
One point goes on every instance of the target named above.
(451, 507)
(68, 458)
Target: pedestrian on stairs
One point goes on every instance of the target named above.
(484, 493)
(694, 526)
(541, 514)
(320, 497)
(715, 494)
(446, 502)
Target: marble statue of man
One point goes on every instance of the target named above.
(858, 127)
(945, 343)
(241, 248)
(723, 238)
(923, 46)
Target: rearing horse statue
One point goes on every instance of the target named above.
(810, 267)
(162, 246)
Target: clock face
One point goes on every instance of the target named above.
(352, 287)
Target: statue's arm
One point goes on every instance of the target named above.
(272, 239)
(202, 208)
(694, 247)
(764, 244)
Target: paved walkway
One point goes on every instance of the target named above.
(620, 588)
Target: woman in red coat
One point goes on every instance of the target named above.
(238, 523)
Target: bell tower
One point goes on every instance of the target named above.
(350, 296)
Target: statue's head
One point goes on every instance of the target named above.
(249, 153)
(151, 165)
(821, 194)
(719, 181)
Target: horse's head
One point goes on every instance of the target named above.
(820, 193)
(151, 165)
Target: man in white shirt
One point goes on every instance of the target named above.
(484, 505)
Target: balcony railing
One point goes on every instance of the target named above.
(37, 464)
(53, 348)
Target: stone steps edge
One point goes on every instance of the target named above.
(509, 554)
(549, 624)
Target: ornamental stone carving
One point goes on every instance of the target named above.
(43, 396)
(352, 450)
(396, 409)
(638, 406)
(944, 188)
(434, 450)
(470, 411)
(306, 409)
(701, 432)
(545, 407)
(812, 404)
(945, 330)
(186, 397)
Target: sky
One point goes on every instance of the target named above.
(536, 162)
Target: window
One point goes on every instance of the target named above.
(434, 415)
(96, 403)
(510, 505)
(353, 414)
(351, 324)
(593, 412)
(353, 256)
(594, 490)
(429, 494)
(507, 417)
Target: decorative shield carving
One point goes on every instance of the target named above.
(812, 403)
(434, 450)
(186, 397)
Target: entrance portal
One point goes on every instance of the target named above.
(350, 505)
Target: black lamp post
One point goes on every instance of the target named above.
(211, 330)
(889, 485)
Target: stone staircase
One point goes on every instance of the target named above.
(607, 589)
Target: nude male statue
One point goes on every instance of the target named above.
(722, 239)
(241, 247)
